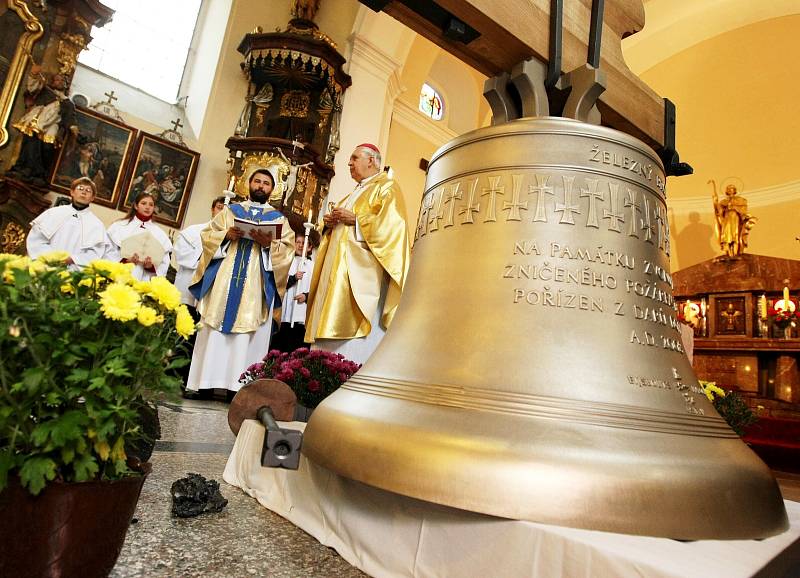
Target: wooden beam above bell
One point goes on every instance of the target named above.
(493, 36)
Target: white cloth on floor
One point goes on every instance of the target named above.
(389, 535)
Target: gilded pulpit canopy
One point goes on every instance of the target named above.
(733, 222)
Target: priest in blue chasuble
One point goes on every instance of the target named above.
(239, 284)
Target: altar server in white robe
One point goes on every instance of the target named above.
(187, 251)
(240, 285)
(293, 318)
(139, 219)
(71, 228)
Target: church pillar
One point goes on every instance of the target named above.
(367, 109)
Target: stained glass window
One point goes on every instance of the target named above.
(430, 103)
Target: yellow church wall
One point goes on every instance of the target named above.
(416, 69)
(406, 147)
(736, 117)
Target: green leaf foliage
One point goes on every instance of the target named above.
(36, 472)
(73, 375)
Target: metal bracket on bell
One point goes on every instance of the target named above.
(586, 84)
(529, 78)
(495, 91)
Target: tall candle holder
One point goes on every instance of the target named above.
(763, 316)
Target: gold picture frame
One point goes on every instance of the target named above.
(102, 152)
(12, 77)
(167, 171)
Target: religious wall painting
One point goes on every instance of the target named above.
(166, 170)
(101, 151)
(731, 317)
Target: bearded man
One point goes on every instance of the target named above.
(239, 284)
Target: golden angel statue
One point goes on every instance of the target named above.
(733, 222)
(305, 9)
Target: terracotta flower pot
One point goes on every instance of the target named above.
(68, 529)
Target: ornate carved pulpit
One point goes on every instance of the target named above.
(290, 118)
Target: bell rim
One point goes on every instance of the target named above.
(738, 501)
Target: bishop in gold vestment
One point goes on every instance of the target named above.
(361, 264)
(239, 284)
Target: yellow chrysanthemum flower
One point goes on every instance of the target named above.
(18, 262)
(147, 316)
(117, 272)
(11, 262)
(711, 390)
(120, 302)
(53, 257)
(67, 288)
(165, 293)
(96, 282)
(184, 324)
(35, 267)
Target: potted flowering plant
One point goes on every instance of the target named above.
(312, 374)
(730, 406)
(783, 317)
(83, 354)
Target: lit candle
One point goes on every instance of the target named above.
(231, 183)
(786, 294)
(703, 307)
(762, 306)
(310, 216)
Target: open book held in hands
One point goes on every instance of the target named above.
(247, 226)
(143, 244)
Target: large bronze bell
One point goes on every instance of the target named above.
(534, 369)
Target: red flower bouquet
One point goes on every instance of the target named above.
(312, 374)
(782, 317)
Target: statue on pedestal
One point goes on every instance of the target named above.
(49, 115)
(733, 222)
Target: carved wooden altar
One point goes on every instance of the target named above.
(734, 345)
(51, 34)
